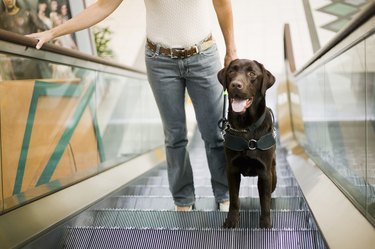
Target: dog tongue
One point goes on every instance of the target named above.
(239, 105)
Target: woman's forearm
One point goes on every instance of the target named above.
(223, 9)
(87, 18)
(225, 17)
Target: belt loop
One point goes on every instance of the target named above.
(157, 50)
(199, 46)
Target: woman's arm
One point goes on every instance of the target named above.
(224, 14)
(87, 18)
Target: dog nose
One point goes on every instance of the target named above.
(236, 84)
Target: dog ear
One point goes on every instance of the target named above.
(221, 76)
(268, 78)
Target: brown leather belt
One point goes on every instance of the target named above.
(180, 53)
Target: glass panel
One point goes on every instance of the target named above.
(337, 101)
(370, 90)
(345, 109)
(129, 120)
(312, 94)
(61, 124)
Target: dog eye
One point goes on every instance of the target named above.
(251, 74)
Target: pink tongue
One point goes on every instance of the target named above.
(238, 105)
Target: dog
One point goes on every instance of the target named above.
(249, 135)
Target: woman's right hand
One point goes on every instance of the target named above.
(42, 37)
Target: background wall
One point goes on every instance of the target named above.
(258, 33)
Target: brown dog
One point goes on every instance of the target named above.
(249, 135)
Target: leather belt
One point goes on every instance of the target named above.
(180, 53)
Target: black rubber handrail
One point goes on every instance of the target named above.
(31, 43)
(354, 24)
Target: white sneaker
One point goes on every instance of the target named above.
(224, 206)
(183, 208)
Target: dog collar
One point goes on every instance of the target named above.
(252, 127)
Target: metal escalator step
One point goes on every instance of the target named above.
(195, 219)
(100, 237)
(245, 191)
(207, 203)
(201, 181)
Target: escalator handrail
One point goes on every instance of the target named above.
(288, 49)
(31, 43)
(354, 24)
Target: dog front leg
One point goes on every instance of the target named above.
(234, 180)
(265, 190)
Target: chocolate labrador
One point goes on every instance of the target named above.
(249, 135)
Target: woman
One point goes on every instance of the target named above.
(180, 55)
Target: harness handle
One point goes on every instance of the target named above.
(222, 124)
(223, 121)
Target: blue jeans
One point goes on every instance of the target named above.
(169, 79)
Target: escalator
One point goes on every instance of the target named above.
(140, 215)
(120, 197)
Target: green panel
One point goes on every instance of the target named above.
(41, 88)
(25, 144)
(336, 25)
(56, 89)
(339, 9)
(65, 138)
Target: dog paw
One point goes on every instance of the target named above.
(232, 220)
(265, 222)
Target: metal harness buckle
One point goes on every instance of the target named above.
(252, 144)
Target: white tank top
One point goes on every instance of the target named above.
(178, 23)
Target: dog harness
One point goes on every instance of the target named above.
(234, 139)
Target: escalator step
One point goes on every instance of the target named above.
(100, 237)
(245, 191)
(207, 203)
(194, 219)
(199, 181)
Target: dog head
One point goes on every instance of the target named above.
(246, 81)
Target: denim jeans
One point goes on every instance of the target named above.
(169, 79)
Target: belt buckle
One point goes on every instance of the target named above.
(178, 52)
(183, 52)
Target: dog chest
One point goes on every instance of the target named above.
(248, 166)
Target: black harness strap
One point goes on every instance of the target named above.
(234, 141)
(239, 143)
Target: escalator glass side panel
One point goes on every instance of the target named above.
(60, 124)
(337, 101)
(370, 126)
